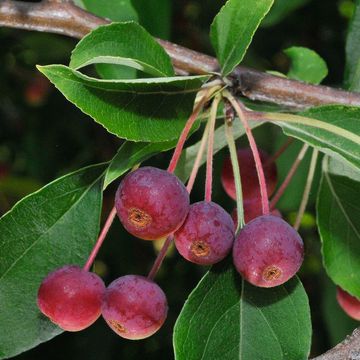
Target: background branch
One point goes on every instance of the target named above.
(349, 349)
(63, 17)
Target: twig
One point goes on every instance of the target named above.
(160, 258)
(101, 239)
(68, 19)
(349, 349)
(198, 159)
(236, 171)
(279, 152)
(210, 148)
(289, 176)
(242, 114)
(307, 189)
(186, 130)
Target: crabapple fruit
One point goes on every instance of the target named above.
(268, 251)
(249, 178)
(71, 297)
(207, 234)
(134, 307)
(350, 304)
(151, 203)
(252, 209)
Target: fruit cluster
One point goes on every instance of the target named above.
(152, 204)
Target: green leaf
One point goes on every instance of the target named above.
(111, 72)
(282, 9)
(131, 154)
(155, 16)
(115, 10)
(233, 29)
(153, 110)
(114, 44)
(54, 226)
(352, 70)
(306, 65)
(338, 214)
(333, 129)
(227, 318)
(188, 156)
(337, 167)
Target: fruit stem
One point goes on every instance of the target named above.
(198, 159)
(307, 189)
(278, 153)
(259, 168)
(289, 176)
(160, 258)
(210, 148)
(100, 240)
(186, 130)
(236, 170)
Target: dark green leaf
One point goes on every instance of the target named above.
(333, 129)
(282, 9)
(233, 29)
(114, 44)
(338, 214)
(111, 72)
(153, 110)
(155, 16)
(131, 154)
(227, 318)
(306, 65)
(352, 73)
(54, 226)
(115, 10)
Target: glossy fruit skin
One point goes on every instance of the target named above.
(253, 209)
(207, 234)
(268, 251)
(71, 297)
(134, 307)
(350, 304)
(249, 178)
(151, 203)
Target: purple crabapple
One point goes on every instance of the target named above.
(151, 203)
(134, 307)
(207, 234)
(71, 297)
(249, 178)
(350, 304)
(268, 251)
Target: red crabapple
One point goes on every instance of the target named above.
(71, 297)
(151, 203)
(249, 178)
(252, 209)
(134, 307)
(350, 304)
(207, 234)
(268, 251)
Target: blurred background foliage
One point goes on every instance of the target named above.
(42, 136)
